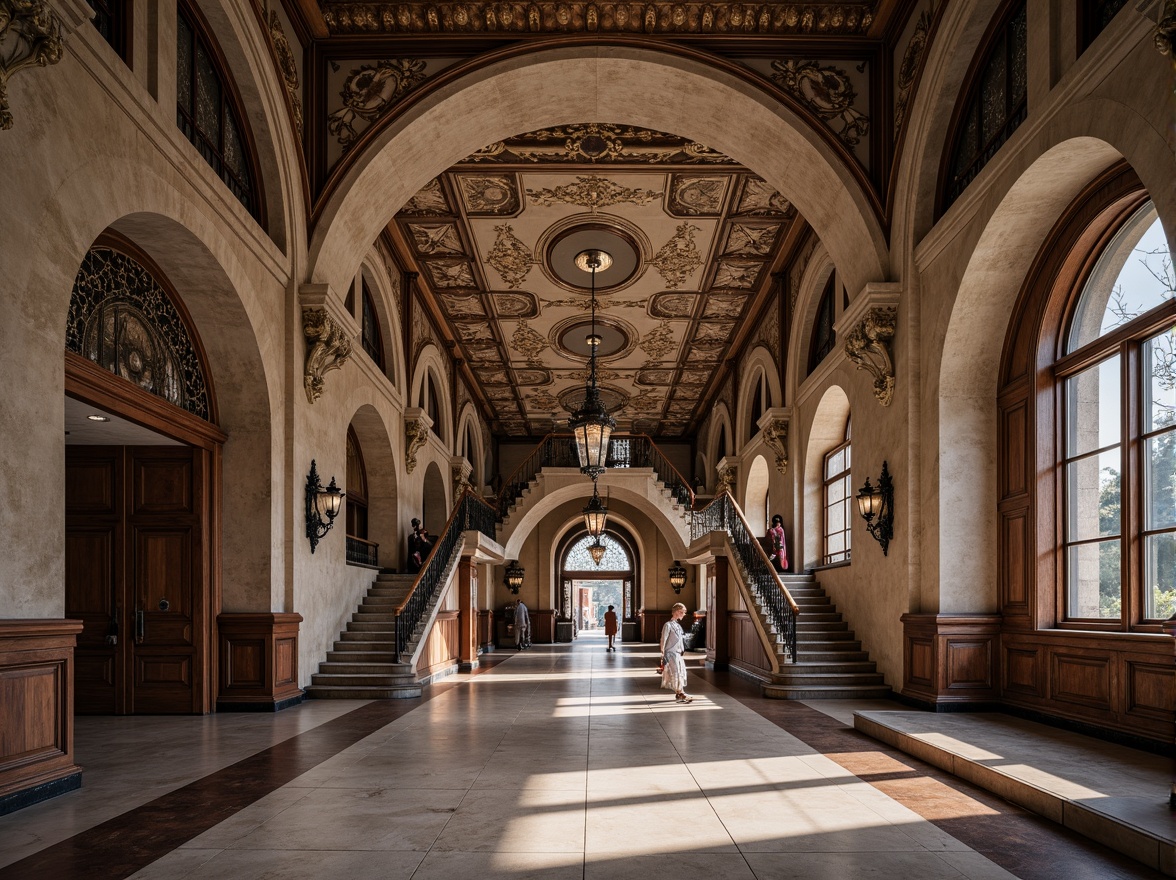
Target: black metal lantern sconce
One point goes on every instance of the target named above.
(677, 576)
(513, 577)
(322, 506)
(876, 505)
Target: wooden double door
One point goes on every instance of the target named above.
(137, 575)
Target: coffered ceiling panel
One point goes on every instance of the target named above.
(693, 238)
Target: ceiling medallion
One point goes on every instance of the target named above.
(592, 192)
(560, 244)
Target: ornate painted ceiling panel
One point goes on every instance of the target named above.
(694, 238)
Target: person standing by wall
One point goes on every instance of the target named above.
(610, 627)
(672, 646)
(522, 625)
(779, 543)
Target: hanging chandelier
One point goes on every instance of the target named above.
(591, 423)
(596, 551)
(595, 515)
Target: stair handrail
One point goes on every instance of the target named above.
(724, 514)
(470, 512)
(625, 451)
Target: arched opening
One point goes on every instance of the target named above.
(370, 460)
(434, 500)
(755, 496)
(587, 587)
(828, 433)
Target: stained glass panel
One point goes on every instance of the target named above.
(208, 97)
(615, 557)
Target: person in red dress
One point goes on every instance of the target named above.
(779, 544)
(610, 627)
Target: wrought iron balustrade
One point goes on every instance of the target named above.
(361, 552)
(470, 513)
(724, 515)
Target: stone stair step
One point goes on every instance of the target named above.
(810, 679)
(366, 636)
(363, 667)
(349, 654)
(805, 656)
(826, 692)
(372, 626)
(361, 680)
(362, 616)
(340, 692)
(806, 666)
(821, 626)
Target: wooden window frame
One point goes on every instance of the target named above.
(374, 349)
(826, 304)
(844, 476)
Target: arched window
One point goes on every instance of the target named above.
(757, 403)
(995, 104)
(615, 558)
(1117, 399)
(373, 343)
(433, 403)
(208, 109)
(359, 548)
(838, 499)
(112, 18)
(824, 337)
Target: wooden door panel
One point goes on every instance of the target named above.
(162, 483)
(91, 480)
(163, 577)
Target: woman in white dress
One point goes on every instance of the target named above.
(672, 645)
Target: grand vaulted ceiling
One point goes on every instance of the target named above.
(693, 237)
(699, 239)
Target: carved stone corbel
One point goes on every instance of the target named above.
(30, 36)
(725, 476)
(461, 470)
(328, 349)
(775, 434)
(1165, 37)
(868, 346)
(416, 432)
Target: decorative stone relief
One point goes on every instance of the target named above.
(737, 274)
(909, 67)
(287, 68)
(451, 273)
(434, 241)
(692, 196)
(527, 342)
(430, 199)
(658, 342)
(510, 257)
(678, 258)
(775, 434)
(672, 305)
(329, 348)
(587, 16)
(828, 92)
(723, 305)
(868, 346)
(468, 306)
(592, 192)
(1165, 38)
(745, 240)
(493, 195)
(30, 36)
(598, 142)
(516, 305)
(416, 432)
(725, 477)
(369, 91)
(460, 470)
(760, 198)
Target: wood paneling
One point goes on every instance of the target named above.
(1151, 690)
(485, 629)
(1014, 476)
(969, 663)
(36, 696)
(747, 650)
(950, 658)
(652, 620)
(1081, 678)
(258, 661)
(1022, 669)
(921, 661)
(442, 646)
(543, 626)
(1015, 556)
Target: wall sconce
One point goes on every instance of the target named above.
(513, 577)
(877, 508)
(320, 503)
(677, 576)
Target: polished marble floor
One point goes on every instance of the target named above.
(561, 761)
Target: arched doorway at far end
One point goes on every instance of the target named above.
(587, 588)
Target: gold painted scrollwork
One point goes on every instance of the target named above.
(1165, 37)
(868, 346)
(726, 477)
(30, 36)
(416, 432)
(329, 349)
(776, 436)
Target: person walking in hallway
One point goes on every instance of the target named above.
(610, 626)
(672, 645)
(522, 625)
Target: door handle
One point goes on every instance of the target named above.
(140, 627)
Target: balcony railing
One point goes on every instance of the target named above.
(361, 552)
(724, 515)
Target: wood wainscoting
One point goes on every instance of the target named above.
(950, 658)
(258, 662)
(485, 630)
(442, 651)
(37, 716)
(746, 648)
(652, 621)
(542, 626)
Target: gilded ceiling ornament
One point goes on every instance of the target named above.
(647, 401)
(510, 257)
(760, 197)
(533, 378)
(711, 334)
(697, 196)
(543, 400)
(468, 306)
(603, 374)
(527, 342)
(1165, 37)
(910, 67)
(678, 258)
(719, 305)
(673, 305)
(592, 192)
(598, 142)
(451, 273)
(828, 92)
(490, 195)
(328, 349)
(737, 274)
(30, 36)
(776, 436)
(750, 241)
(654, 377)
(483, 353)
(472, 332)
(287, 68)
(694, 377)
(416, 432)
(369, 91)
(561, 17)
(435, 241)
(430, 199)
(868, 346)
(516, 305)
(495, 377)
(658, 342)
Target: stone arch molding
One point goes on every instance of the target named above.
(570, 84)
(759, 362)
(430, 361)
(826, 431)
